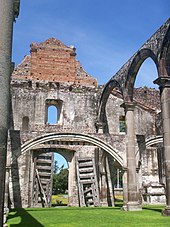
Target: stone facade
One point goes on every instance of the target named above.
(51, 76)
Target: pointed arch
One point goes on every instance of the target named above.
(164, 66)
(138, 60)
(105, 95)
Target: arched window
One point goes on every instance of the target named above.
(122, 124)
(25, 123)
(52, 115)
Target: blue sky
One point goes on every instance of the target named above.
(60, 160)
(105, 33)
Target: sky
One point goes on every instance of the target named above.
(105, 33)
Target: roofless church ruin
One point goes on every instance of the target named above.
(51, 76)
(101, 131)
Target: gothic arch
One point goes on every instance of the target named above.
(153, 141)
(105, 95)
(137, 62)
(164, 61)
(157, 47)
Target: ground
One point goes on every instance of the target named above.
(89, 217)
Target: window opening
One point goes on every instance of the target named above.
(52, 115)
(25, 123)
(122, 124)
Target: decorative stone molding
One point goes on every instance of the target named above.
(162, 82)
(128, 106)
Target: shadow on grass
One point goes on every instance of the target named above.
(26, 219)
(159, 210)
(118, 203)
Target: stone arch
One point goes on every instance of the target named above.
(105, 95)
(61, 151)
(153, 140)
(164, 61)
(150, 142)
(73, 137)
(57, 104)
(138, 60)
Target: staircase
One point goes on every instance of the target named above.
(87, 182)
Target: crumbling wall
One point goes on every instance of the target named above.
(51, 75)
(53, 61)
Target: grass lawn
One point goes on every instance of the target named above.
(150, 216)
(60, 199)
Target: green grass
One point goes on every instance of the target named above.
(150, 216)
(60, 199)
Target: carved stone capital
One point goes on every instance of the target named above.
(124, 169)
(162, 82)
(128, 106)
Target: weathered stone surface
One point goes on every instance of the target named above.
(54, 61)
(85, 127)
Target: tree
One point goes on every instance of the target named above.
(56, 167)
(60, 181)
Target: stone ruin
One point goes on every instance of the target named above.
(104, 132)
(95, 151)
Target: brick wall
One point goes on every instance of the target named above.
(53, 61)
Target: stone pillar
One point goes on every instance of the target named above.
(102, 178)
(73, 199)
(164, 85)
(118, 178)
(133, 194)
(103, 190)
(8, 11)
(125, 191)
(110, 191)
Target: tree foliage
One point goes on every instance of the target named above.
(60, 181)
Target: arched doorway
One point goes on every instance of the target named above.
(47, 178)
(75, 148)
(60, 181)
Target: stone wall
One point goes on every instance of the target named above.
(52, 76)
(53, 61)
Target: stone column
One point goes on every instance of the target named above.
(164, 85)
(110, 186)
(102, 178)
(125, 190)
(118, 179)
(133, 194)
(72, 186)
(8, 11)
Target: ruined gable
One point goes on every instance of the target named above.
(23, 69)
(53, 61)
